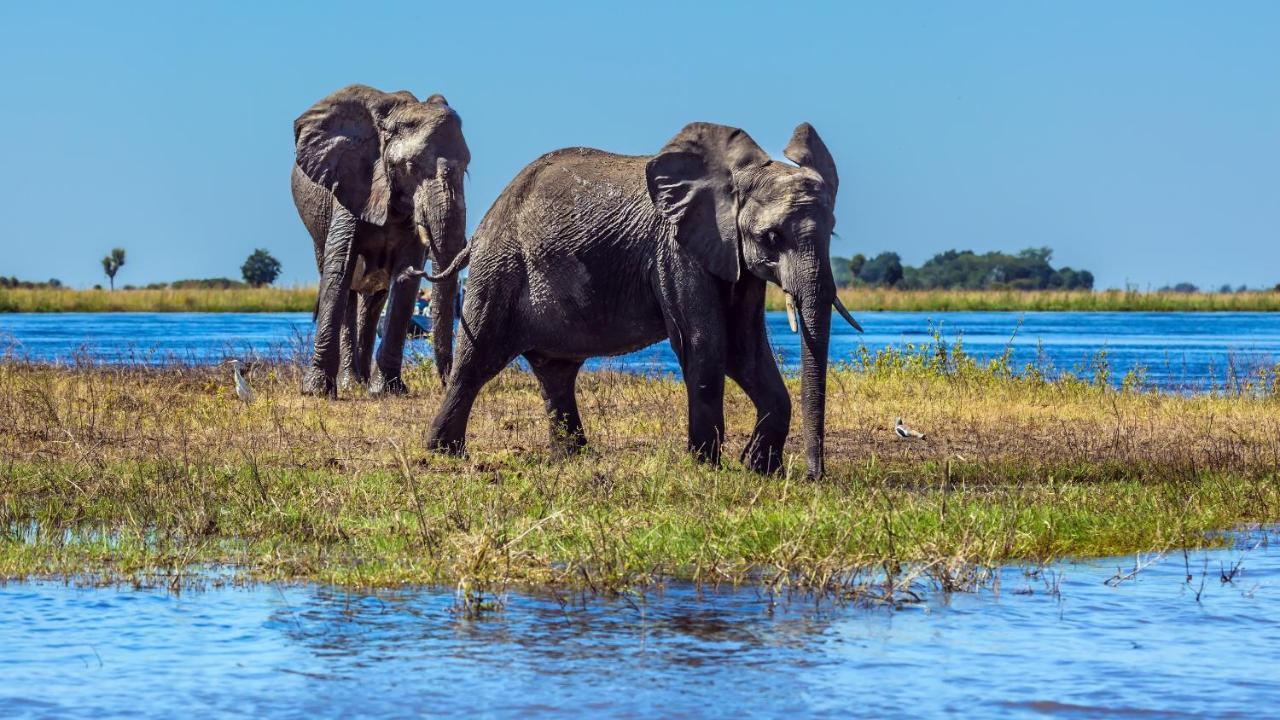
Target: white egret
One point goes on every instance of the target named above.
(243, 391)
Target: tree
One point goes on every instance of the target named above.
(840, 271)
(260, 269)
(856, 264)
(884, 269)
(112, 263)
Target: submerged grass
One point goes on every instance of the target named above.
(119, 470)
(264, 299)
(874, 299)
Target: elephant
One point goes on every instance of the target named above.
(587, 253)
(378, 184)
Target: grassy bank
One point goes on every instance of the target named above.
(117, 471)
(1043, 300)
(302, 299)
(265, 299)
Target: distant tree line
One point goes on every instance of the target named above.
(1186, 287)
(962, 270)
(13, 282)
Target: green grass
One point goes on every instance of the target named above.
(871, 299)
(265, 299)
(111, 472)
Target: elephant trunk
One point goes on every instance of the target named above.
(442, 228)
(813, 294)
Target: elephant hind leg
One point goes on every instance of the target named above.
(448, 432)
(482, 354)
(556, 379)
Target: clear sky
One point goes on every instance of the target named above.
(1140, 140)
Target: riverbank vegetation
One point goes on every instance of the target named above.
(188, 296)
(182, 296)
(888, 299)
(115, 472)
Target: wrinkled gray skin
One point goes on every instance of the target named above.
(588, 253)
(378, 183)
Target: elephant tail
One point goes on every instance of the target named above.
(462, 260)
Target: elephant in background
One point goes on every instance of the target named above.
(587, 253)
(378, 183)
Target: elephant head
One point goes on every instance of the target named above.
(388, 158)
(733, 208)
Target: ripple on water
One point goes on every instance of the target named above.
(1144, 647)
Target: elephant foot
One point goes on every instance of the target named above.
(444, 446)
(315, 382)
(385, 385)
(353, 379)
(762, 458)
(567, 447)
(705, 456)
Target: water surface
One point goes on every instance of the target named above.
(1182, 350)
(1061, 643)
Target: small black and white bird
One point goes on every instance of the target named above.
(905, 432)
(243, 391)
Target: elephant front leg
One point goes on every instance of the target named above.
(404, 293)
(321, 374)
(702, 361)
(751, 364)
(763, 385)
(367, 315)
(347, 372)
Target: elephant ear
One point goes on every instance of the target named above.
(339, 145)
(807, 150)
(691, 182)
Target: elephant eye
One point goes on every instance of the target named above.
(772, 238)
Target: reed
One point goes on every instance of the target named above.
(264, 299)
(875, 299)
(111, 472)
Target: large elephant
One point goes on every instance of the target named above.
(378, 183)
(588, 253)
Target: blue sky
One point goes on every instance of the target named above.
(1140, 140)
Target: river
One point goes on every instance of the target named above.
(1186, 351)
(1061, 642)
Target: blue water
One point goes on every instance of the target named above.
(1061, 643)
(1184, 350)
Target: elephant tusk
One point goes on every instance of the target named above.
(845, 314)
(424, 236)
(791, 312)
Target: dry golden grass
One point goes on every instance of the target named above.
(300, 299)
(264, 299)
(119, 470)
(871, 299)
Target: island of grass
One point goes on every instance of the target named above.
(110, 473)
